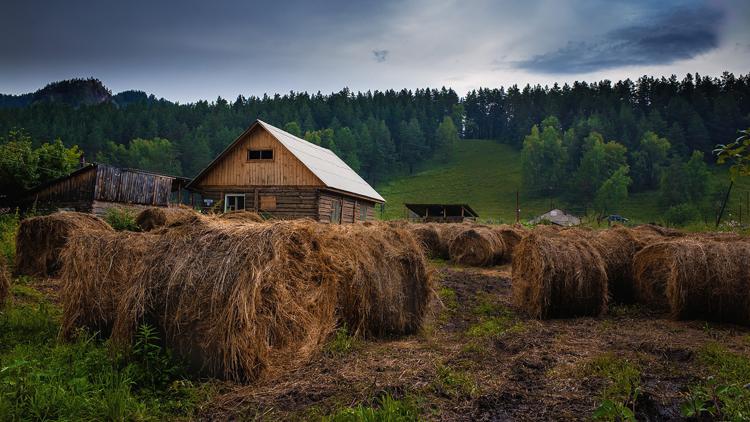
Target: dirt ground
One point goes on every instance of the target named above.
(462, 367)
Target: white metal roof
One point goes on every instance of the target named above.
(327, 166)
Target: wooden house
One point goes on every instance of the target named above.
(96, 187)
(440, 213)
(282, 176)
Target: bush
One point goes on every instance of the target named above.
(121, 219)
(682, 214)
(8, 230)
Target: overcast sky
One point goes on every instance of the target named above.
(198, 49)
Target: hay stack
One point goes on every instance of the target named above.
(447, 232)
(4, 282)
(243, 216)
(510, 236)
(476, 246)
(41, 239)
(234, 300)
(157, 217)
(428, 237)
(617, 247)
(384, 282)
(558, 277)
(697, 278)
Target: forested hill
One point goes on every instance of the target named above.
(380, 133)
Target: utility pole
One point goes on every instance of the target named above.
(518, 209)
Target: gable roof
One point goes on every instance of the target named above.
(332, 171)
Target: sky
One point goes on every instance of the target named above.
(190, 50)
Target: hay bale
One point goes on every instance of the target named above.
(476, 246)
(98, 267)
(234, 300)
(697, 278)
(385, 285)
(157, 217)
(4, 282)
(40, 240)
(510, 236)
(428, 238)
(558, 277)
(447, 232)
(243, 216)
(617, 247)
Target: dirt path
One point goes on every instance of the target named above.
(478, 360)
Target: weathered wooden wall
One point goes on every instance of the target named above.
(132, 187)
(350, 207)
(73, 193)
(235, 170)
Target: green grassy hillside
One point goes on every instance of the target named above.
(486, 174)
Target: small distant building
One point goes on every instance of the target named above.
(442, 213)
(94, 188)
(557, 217)
(273, 172)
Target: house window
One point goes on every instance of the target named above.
(336, 212)
(234, 202)
(259, 154)
(267, 203)
(363, 212)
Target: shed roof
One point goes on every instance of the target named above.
(332, 171)
(437, 209)
(558, 217)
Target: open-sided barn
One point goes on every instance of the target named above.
(96, 187)
(282, 176)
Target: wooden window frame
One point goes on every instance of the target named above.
(261, 151)
(235, 195)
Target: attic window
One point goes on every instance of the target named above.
(259, 154)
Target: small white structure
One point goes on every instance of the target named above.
(557, 217)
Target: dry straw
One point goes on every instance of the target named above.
(157, 217)
(696, 278)
(476, 246)
(447, 232)
(558, 277)
(428, 237)
(511, 236)
(243, 216)
(41, 239)
(241, 300)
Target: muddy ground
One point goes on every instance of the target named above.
(478, 360)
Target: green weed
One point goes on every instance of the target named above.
(725, 395)
(121, 219)
(341, 344)
(386, 409)
(453, 383)
(617, 400)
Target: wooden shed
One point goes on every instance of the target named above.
(273, 172)
(96, 187)
(441, 213)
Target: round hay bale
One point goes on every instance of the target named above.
(385, 285)
(4, 282)
(617, 247)
(447, 232)
(476, 247)
(40, 240)
(650, 233)
(697, 278)
(157, 217)
(97, 269)
(510, 236)
(234, 300)
(243, 216)
(558, 277)
(428, 237)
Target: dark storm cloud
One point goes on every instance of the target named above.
(672, 35)
(380, 55)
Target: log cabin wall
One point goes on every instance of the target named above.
(234, 169)
(279, 202)
(351, 208)
(73, 193)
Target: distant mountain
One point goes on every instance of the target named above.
(76, 93)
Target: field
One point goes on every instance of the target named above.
(476, 356)
(486, 174)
